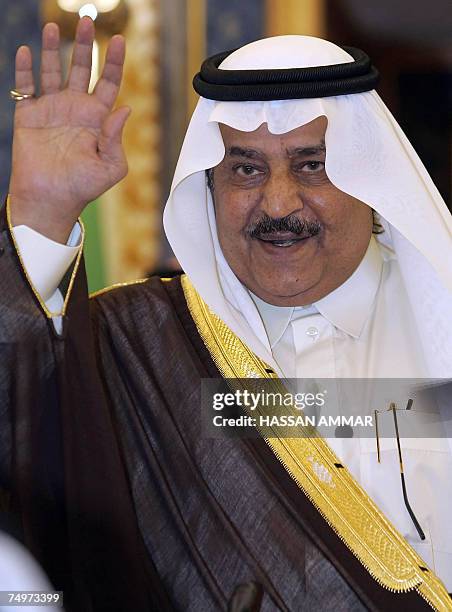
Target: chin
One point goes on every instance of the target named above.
(280, 294)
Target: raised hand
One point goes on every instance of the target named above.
(67, 143)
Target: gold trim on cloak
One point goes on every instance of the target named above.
(331, 488)
(49, 314)
(138, 281)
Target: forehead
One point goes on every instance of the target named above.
(309, 135)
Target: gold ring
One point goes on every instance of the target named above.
(17, 96)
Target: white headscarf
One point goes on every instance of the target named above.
(368, 157)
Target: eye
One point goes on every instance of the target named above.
(312, 166)
(246, 170)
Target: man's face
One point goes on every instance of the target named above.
(287, 232)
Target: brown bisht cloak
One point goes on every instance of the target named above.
(114, 489)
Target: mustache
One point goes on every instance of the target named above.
(291, 223)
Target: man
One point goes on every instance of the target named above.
(124, 501)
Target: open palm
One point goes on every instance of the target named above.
(67, 143)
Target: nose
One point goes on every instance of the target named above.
(281, 195)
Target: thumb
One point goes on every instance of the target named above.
(110, 139)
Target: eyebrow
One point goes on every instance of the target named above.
(307, 150)
(239, 152)
(314, 149)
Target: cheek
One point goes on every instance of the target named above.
(233, 212)
(347, 225)
(351, 233)
(357, 217)
(338, 211)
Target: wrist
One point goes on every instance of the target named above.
(41, 218)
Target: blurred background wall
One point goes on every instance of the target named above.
(409, 41)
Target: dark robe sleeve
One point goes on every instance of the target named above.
(27, 364)
(61, 473)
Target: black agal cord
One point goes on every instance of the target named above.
(285, 84)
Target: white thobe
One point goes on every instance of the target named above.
(364, 329)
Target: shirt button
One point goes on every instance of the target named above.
(312, 332)
(2, 250)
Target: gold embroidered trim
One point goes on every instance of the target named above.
(49, 314)
(116, 286)
(345, 506)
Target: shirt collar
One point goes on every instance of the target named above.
(275, 318)
(347, 307)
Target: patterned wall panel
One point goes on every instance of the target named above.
(130, 212)
(172, 86)
(19, 24)
(234, 23)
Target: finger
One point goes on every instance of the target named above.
(24, 72)
(110, 139)
(50, 59)
(107, 87)
(80, 72)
